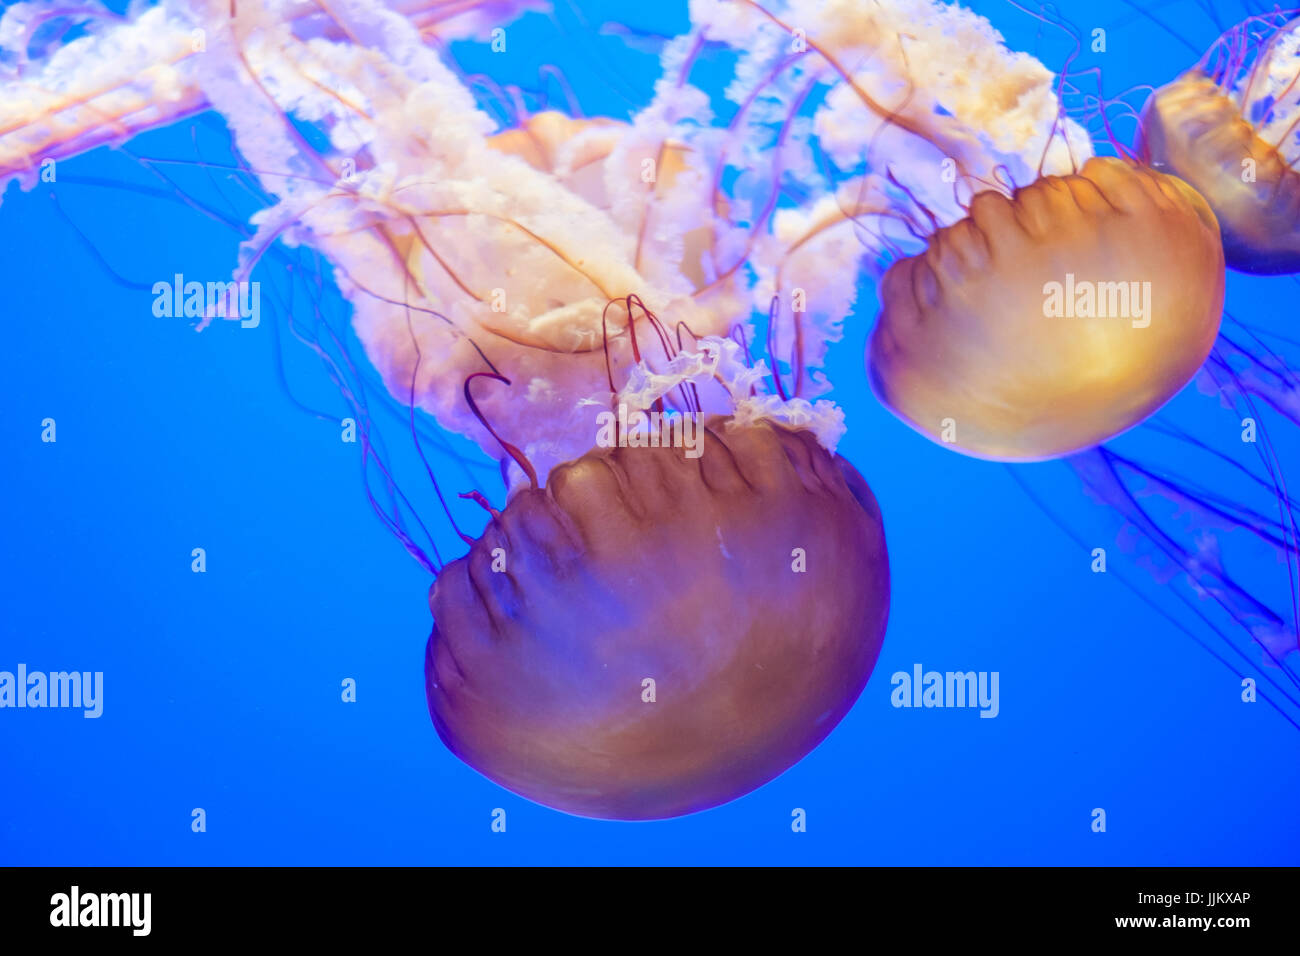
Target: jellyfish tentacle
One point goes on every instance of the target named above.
(1097, 469)
(415, 435)
(1273, 466)
(1146, 598)
(520, 458)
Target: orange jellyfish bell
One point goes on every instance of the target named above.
(1193, 130)
(654, 632)
(1052, 320)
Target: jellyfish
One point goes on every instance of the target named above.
(1230, 127)
(687, 588)
(1055, 319)
(640, 569)
(1041, 299)
(640, 638)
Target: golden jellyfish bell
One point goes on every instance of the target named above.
(1052, 320)
(641, 638)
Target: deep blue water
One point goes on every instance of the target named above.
(222, 689)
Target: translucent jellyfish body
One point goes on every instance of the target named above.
(642, 638)
(1229, 127)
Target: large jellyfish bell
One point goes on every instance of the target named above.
(642, 638)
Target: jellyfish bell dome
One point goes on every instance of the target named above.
(1193, 130)
(652, 633)
(1052, 320)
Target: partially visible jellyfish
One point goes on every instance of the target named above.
(1230, 127)
(659, 626)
